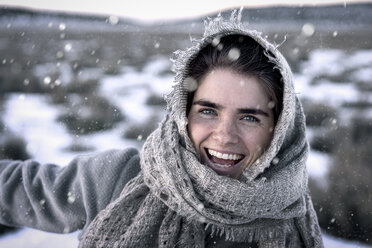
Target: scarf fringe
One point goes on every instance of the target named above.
(249, 234)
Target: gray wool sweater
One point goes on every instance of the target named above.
(63, 199)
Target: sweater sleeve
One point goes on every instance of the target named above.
(63, 199)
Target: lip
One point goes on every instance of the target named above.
(231, 171)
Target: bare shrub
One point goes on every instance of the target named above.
(345, 207)
(59, 94)
(82, 86)
(140, 131)
(78, 146)
(7, 229)
(12, 146)
(155, 100)
(319, 114)
(364, 86)
(19, 82)
(358, 104)
(87, 114)
(342, 77)
(324, 141)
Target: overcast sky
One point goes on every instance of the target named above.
(149, 10)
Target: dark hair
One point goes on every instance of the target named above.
(243, 55)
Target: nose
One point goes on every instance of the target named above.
(225, 132)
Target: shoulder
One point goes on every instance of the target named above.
(106, 167)
(110, 170)
(113, 157)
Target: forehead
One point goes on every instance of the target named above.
(228, 87)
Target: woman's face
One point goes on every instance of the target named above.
(230, 121)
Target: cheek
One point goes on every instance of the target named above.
(257, 141)
(198, 131)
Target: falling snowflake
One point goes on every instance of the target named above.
(200, 207)
(47, 80)
(70, 198)
(308, 29)
(296, 50)
(68, 47)
(21, 97)
(62, 26)
(271, 104)
(113, 20)
(216, 41)
(190, 84)
(59, 54)
(233, 54)
(275, 160)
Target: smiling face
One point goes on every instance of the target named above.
(230, 121)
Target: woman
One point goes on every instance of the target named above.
(225, 168)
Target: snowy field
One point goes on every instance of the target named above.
(34, 118)
(29, 238)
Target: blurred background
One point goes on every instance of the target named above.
(79, 77)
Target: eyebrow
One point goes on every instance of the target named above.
(254, 111)
(208, 104)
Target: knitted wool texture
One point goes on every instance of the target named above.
(175, 198)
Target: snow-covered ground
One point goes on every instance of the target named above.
(29, 238)
(34, 118)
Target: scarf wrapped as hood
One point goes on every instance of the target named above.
(175, 199)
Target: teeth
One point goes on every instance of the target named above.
(223, 165)
(225, 156)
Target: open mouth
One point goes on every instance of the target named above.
(223, 160)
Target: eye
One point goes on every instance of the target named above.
(251, 118)
(207, 111)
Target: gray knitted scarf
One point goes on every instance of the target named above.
(175, 199)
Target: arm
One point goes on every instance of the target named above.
(63, 199)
